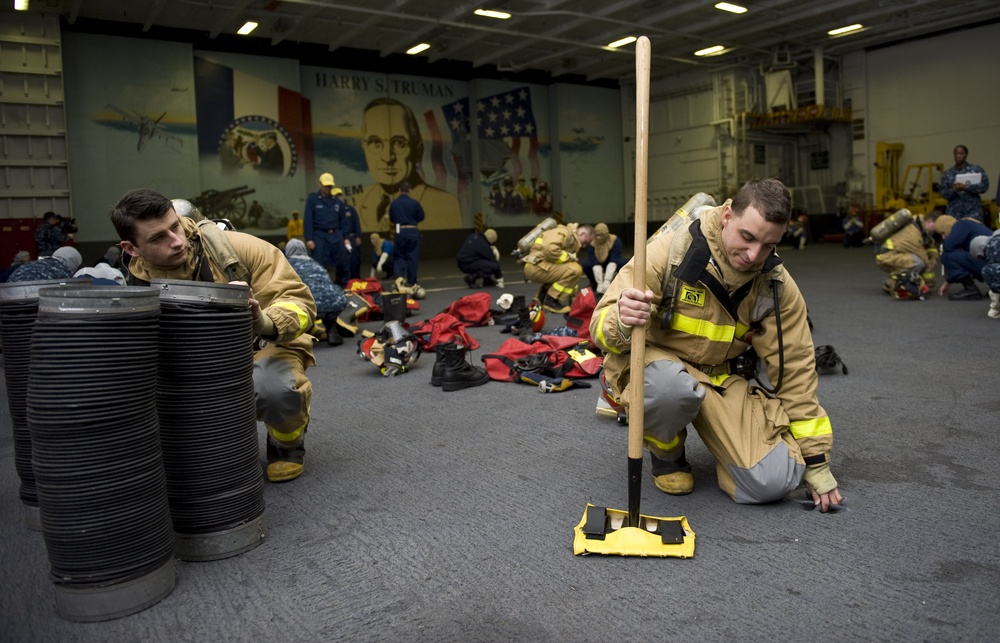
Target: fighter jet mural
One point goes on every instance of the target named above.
(145, 126)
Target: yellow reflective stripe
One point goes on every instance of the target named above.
(887, 244)
(717, 380)
(301, 314)
(601, 339)
(666, 446)
(287, 437)
(703, 328)
(810, 428)
(741, 330)
(563, 257)
(563, 289)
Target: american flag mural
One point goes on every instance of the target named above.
(450, 149)
(508, 117)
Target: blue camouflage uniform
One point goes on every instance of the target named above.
(48, 268)
(323, 224)
(991, 269)
(48, 238)
(405, 213)
(966, 203)
(330, 298)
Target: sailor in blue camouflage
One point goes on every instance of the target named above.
(49, 235)
(61, 265)
(330, 298)
(963, 199)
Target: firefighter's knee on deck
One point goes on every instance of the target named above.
(672, 399)
(280, 402)
(774, 477)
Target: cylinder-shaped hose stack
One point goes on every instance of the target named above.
(208, 419)
(91, 411)
(18, 311)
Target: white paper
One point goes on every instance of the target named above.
(969, 178)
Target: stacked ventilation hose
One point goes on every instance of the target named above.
(18, 311)
(208, 420)
(91, 411)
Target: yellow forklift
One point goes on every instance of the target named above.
(917, 192)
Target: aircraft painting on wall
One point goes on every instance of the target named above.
(145, 126)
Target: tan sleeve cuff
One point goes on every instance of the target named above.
(264, 327)
(820, 478)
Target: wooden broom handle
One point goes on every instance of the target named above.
(638, 352)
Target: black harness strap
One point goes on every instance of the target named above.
(694, 268)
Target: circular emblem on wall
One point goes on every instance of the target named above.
(260, 143)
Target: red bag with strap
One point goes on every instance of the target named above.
(472, 310)
(580, 312)
(550, 355)
(439, 329)
(369, 286)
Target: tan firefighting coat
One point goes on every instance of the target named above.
(283, 297)
(553, 246)
(702, 331)
(896, 251)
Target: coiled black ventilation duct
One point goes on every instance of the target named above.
(208, 419)
(18, 311)
(91, 412)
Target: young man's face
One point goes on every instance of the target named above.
(960, 155)
(748, 238)
(387, 145)
(585, 236)
(162, 242)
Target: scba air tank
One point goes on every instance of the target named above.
(691, 210)
(524, 243)
(892, 225)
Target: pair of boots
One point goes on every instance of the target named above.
(452, 371)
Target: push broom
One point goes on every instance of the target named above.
(611, 531)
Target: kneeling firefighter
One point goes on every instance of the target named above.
(903, 245)
(551, 261)
(715, 285)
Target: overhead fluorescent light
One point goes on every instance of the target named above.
(842, 30)
(20, 5)
(622, 42)
(731, 8)
(489, 13)
(416, 49)
(710, 51)
(249, 26)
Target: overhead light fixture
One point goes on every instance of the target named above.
(416, 49)
(627, 40)
(247, 27)
(844, 30)
(20, 5)
(731, 8)
(710, 51)
(489, 13)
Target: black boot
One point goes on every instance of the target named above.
(347, 324)
(333, 337)
(459, 373)
(969, 293)
(438, 370)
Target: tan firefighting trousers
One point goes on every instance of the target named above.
(283, 391)
(757, 459)
(561, 278)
